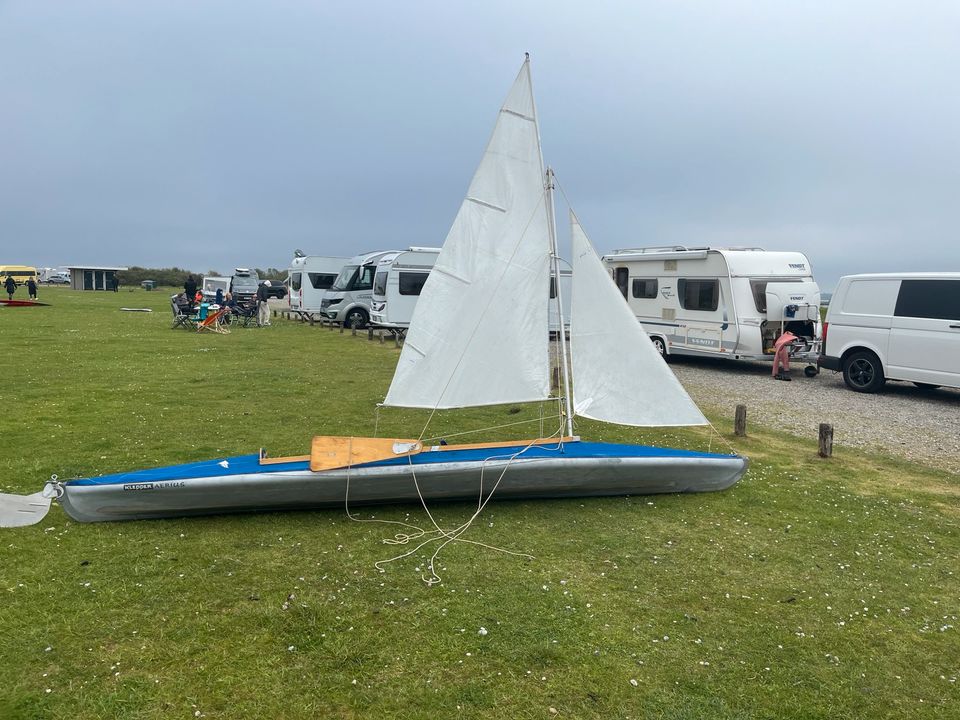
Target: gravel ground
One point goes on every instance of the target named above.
(903, 420)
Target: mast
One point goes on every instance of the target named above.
(555, 268)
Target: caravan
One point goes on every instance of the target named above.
(348, 299)
(309, 277)
(727, 302)
(212, 283)
(397, 284)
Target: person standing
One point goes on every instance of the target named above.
(10, 285)
(781, 357)
(190, 287)
(263, 307)
(218, 298)
(32, 288)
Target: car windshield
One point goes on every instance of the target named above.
(345, 278)
(245, 283)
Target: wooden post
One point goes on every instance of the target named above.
(740, 421)
(353, 330)
(826, 440)
(341, 328)
(370, 333)
(381, 337)
(396, 339)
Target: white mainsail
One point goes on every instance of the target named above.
(618, 375)
(478, 335)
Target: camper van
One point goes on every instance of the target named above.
(401, 276)
(727, 302)
(309, 277)
(397, 284)
(243, 285)
(348, 299)
(894, 327)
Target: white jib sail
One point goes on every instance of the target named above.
(479, 333)
(618, 375)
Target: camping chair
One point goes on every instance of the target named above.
(182, 315)
(244, 314)
(214, 322)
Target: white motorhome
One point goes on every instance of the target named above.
(397, 284)
(401, 276)
(348, 299)
(308, 278)
(728, 302)
(889, 326)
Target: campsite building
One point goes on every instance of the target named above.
(92, 277)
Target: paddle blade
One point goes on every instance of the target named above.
(23, 510)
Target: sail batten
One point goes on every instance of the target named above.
(618, 375)
(478, 334)
(478, 201)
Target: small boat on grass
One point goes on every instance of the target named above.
(479, 336)
(545, 469)
(23, 303)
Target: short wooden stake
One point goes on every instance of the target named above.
(341, 328)
(396, 339)
(826, 440)
(370, 333)
(353, 330)
(740, 421)
(381, 337)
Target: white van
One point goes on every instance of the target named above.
(397, 284)
(348, 299)
(309, 277)
(727, 302)
(902, 326)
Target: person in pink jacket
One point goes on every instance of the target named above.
(781, 358)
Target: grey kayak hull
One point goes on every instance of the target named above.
(301, 489)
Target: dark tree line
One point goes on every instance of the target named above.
(171, 277)
(175, 277)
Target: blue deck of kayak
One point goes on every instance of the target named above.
(250, 464)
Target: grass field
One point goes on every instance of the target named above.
(811, 589)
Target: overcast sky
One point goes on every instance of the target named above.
(214, 134)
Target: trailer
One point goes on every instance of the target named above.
(399, 278)
(308, 279)
(727, 302)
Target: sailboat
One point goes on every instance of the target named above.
(479, 336)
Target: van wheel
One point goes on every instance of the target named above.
(356, 318)
(660, 345)
(926, 386)
(862, 372)
(811, 371)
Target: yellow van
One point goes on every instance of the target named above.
(20, 273)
